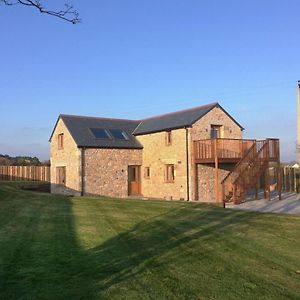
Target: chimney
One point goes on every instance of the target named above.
(298, 120)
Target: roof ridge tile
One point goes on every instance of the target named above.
(181, 111)
(98, 118)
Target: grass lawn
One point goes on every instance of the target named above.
(56, 247)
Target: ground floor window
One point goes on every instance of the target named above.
(169, 173)
(61, 175)
(147, 172)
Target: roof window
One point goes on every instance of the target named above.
(100, 133)
(118, 134)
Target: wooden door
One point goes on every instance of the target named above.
(61, 175)
(216, 132)
(134, 180)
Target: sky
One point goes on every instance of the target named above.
(135, 59)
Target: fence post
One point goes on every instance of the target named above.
(256, 189)
(295, 180)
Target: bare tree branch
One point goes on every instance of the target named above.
(68, 13)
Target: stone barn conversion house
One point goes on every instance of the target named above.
(196, 154)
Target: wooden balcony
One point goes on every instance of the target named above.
(223, 150)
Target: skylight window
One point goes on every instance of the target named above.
(99, 133)
(118, 134)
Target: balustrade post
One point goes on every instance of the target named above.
(256, 189)
(223, 194)
(279, 172)
(216, 169)
(234, 194)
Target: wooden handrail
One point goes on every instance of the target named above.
(245, 173)
(246, 154)
(265, 145)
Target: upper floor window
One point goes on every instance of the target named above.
(169, 173)
(215, 131)
(168, 138)
(60, 141)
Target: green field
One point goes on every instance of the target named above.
(56, 247)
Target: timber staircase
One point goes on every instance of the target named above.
(248, 171)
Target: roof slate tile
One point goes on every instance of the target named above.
(79, 126)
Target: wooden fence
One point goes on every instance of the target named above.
(291, 179)
(25, 173)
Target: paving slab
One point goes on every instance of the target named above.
(290, 204)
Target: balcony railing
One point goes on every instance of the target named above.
(223, 149)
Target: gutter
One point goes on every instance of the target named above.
(187, 164)
(82, 170)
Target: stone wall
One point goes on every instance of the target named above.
(156, 154)
(69, 157)
(206, 181)
(106, 170)
(201, 129)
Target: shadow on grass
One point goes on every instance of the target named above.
(41, 256)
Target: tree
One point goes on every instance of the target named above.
(68, 14)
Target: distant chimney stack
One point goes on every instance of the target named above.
(298, 121)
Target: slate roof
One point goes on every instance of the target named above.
(79, 126)
(179, 119)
